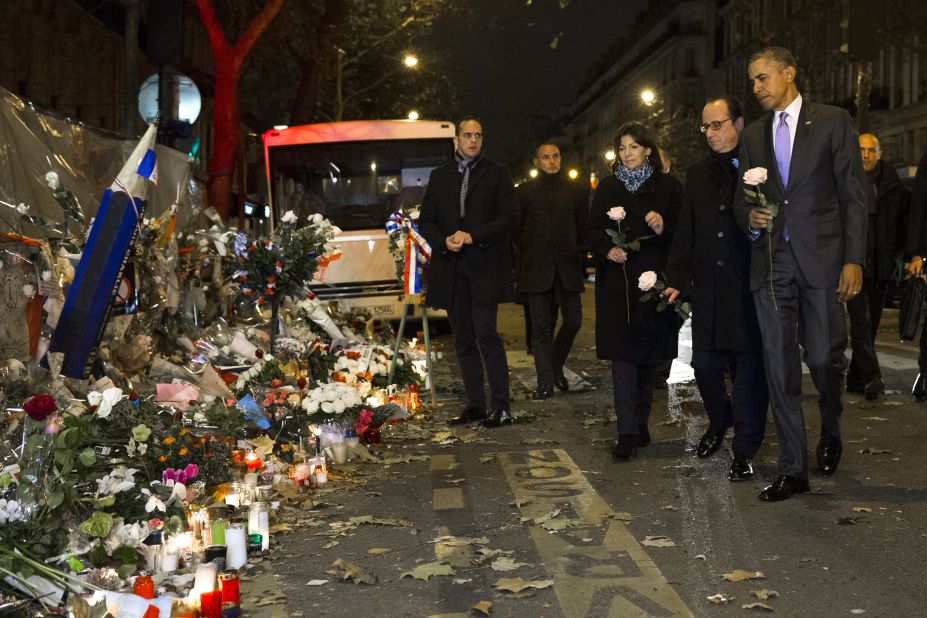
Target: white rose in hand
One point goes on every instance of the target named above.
(617, 213)
(288, 217)
(647, 280)
(755, 176)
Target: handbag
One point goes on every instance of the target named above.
(912, 306)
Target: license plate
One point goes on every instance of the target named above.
(382, 309)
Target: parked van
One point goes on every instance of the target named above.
(356, 174)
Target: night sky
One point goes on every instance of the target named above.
(507, 70)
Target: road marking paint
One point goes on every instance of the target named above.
(452, 550)
(450, 498)
(613, 578)
(443, 462)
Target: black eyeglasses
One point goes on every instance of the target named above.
(714, 126)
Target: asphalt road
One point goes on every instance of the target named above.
(543, 502)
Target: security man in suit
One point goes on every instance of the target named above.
(468, 213)
(807, 260)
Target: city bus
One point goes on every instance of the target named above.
(356, 174)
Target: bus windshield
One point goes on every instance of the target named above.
(356, 185)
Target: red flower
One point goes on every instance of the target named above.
(133, 396)
(276, 383)
(301, 383)
(259, 353)
(40, 407)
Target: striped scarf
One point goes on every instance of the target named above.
(465, 166)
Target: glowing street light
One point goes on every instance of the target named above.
(609, 155)
(410, 61)
(648, 96)
(533, 173)
(413, 115)
(573, 174)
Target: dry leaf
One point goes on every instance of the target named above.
(862, 509)
(621, 516)
(720, 598)
(487, 459)
(520, 502)
(517, 584)
(329, 545)
(669, 507)
(891, 403)
(441, 436)
(484, 607)
(874, 451)
(537, 441)
(263, 445)
(676, 422)
(760, 606)
(379, 521)
(316, 582)
(346, 570)
(874, 418)
(764, 594)
(657, 541)
(739, 575)
(376, 551)
(561, 523)
(507, 563)
(425, 572)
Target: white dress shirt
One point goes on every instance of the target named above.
(793, 110)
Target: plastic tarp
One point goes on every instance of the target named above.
(33, 143)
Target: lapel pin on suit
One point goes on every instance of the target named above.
(807, 122)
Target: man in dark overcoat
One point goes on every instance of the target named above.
(710, 263)
(468, 213)
(888, 216)
(553, 212)
(807, 259)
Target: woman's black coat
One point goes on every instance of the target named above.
(648, 337)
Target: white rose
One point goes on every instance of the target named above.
(29, 290)
(616, 214)
(51, 179)
(22, 208)
(330, 396)
(317, 218)
(338, 406)
(327, 407)
(288, 217)
(647, 280)
(755, 176)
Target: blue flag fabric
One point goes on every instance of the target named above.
(99, 271)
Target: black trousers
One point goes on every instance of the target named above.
(791, 311)
(554, 311)
(550, 353)
(632, 386)
(478, 344)
(865, 311)
(745, 408)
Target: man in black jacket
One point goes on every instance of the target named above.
(710, 261)
(468, 213)
(553, 212)
(917, 246)
(887, 203)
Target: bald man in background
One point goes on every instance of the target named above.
(887, 205)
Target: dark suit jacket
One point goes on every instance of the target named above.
(710, 262)
(917, 229)
(824, 205)
(491, 214)
(553, 214)
(887, 234)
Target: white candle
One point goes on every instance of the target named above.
(169, 562)
(236, 552)
(205, 579)
(233, 500)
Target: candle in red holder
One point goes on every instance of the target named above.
(143, 587)
(211, 604)
(152, 612)
(253, 461)
(229, 583)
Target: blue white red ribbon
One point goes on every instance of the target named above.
(416, 251)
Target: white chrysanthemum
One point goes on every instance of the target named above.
(327, 407)
(338, 406)
(11, 511)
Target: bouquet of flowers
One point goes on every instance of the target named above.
(333, 401)
(652, 287)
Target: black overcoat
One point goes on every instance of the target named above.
(888, 225)
(710, 263)
(491, 215)
(648, 337)
(553, 213)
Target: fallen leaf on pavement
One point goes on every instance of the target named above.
(376, 551)
(441, 436)
(676, 422)
(484, 607)
(759, 606)
(739, 575)
(891, 403)
(542, 518)
(485, 554)
(517, 584)
(539, 441)
(468, 438)
(657, 541)
(425, 572)
(720, 598)
(520, 502)
(764, 594)
(701, 557)
(506, 563)
(346, 570)
(379, 521)
(874, 451)
(669, 507)
(560, 523)
(330, 545)
(487, 458)
(621, 516)
(862, 509)
(316, 582)
(874, 418)
(455, 481)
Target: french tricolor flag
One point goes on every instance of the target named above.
(99, 272)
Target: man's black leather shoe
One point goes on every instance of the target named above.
(873, 389)
(741, 469)
(783, 488)
(469, 415)
(920, 388)
(710, 443)
(829, 451)
(543, 392)
(498, 419)
(561, 382)
(625, 447)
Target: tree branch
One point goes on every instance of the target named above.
(217, 40)
(257, 25)
(380, 40)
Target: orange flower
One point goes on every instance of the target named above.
(184, 431)
(162, 458)
(170, 440)
(183, 451)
